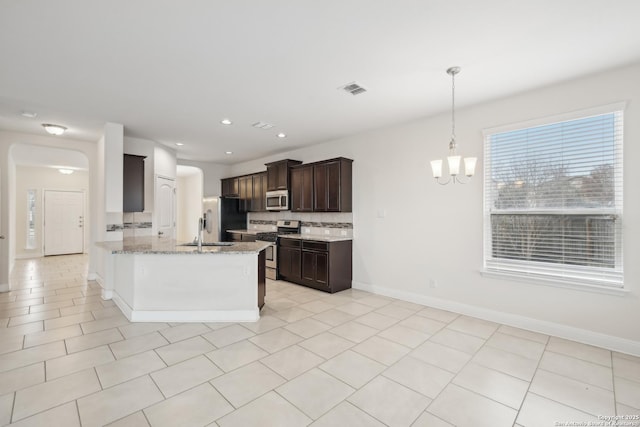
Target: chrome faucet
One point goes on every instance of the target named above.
(200, 228)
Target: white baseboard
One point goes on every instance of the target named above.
(4, 287)
(610, 342)
(29, 255)
(186, 315)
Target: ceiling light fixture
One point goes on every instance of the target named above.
(228, 153)
(179, 144)
(29, 114)
(282, 135)
(226, 122)
(54, 129)
(65, 171)
(453, 159)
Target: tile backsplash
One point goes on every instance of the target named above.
(333, 224)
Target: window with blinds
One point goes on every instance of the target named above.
(553, 201)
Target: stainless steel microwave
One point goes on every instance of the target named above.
(277, 200)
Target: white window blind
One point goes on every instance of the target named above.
(553, 201)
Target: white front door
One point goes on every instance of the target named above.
(63, 222)
(165, 206)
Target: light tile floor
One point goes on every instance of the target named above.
(68, 358)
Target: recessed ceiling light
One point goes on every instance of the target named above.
(228, 153)
(226, 122)
(282, 135)
(179, 144)
(65, 171)
(29, 114)
(54, 129)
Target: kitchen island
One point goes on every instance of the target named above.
(154, 279)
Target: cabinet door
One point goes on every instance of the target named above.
(302, 189)
(259, 192)
(133, 180)
(246, 193)
(289, 263)
(327, 187)
(230, 187)
(282, 181)
(315, 269)
(273, 174)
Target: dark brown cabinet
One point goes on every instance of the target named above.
(234, 236)
(302, 188)
(230, 187)
(259, 192)
(289, 259)
(245, 184)
(133, 183)
(278, 174)
(251, 190)
(322, 187)
(325, 266)
(332, 186)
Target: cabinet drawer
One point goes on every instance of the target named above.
(315, 246)
(290, 243)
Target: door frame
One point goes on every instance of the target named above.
(84, 216)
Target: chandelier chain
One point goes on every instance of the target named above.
(453, 106)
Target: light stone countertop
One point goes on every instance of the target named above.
(253, 232)
(317, 237)
(164, 245)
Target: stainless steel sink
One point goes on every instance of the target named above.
(209, 244)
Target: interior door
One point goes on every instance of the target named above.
(165, 206)
(63, 222)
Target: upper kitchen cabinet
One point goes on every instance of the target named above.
(230, 187)
(278, 174)
(245, 184)
(322, 187)
(259, 192)
(332, 185)
(133, 183)
(302, 188)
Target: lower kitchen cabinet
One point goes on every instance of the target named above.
(325, 266)
(289, 256)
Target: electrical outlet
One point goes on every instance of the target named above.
(433, 283)
(306, 230)
(327, 232)
(343, 233)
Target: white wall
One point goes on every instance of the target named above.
(435, 232)
(212, 174)
(41, 179)
(189, 209)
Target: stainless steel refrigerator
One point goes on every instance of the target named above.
(222, 214)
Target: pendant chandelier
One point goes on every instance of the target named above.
(453, 159)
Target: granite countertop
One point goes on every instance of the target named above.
(243, 231)
(164, 245)
(317, 237)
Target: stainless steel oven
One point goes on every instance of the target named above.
(271, 251)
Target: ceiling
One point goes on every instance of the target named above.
(169, 71)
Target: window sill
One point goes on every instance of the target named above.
(555, 283)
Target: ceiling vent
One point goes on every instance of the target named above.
(262, 125)
(353, 88)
